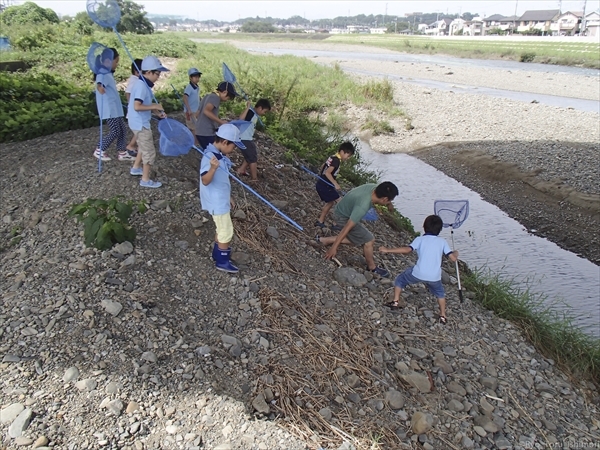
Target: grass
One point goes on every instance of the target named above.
(551, 332)
(377, 127)
(572, 53)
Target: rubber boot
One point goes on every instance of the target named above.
(223, 262)
(214, 252)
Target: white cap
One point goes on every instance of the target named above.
(153, 63)
(231, 133)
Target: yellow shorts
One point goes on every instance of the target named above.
(224, 228)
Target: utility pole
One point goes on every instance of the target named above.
(385, 16)
(559, 7)
(582, 30)
(515, 17)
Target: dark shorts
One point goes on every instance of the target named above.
(358, 235)
(205, 140)
(406, 278)
(327, 193)
(250, 153)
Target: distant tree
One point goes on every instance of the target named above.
(391, 28)
(26, 14)
(257, 27)
(172, 23)
(468, 16)
(133, 18)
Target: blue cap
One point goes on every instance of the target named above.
(231, 133)
(193, 71)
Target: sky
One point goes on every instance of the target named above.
(229, 11)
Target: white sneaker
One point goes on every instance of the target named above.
(101, 155)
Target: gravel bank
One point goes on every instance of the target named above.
(148, 347)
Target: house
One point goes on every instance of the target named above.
(591, 27)
(537, 20)
(456, 26)
(439, 27)
(378, 30)
(500, 22)
(474, 27)
(567, 24)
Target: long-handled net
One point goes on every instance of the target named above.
(107, 14)
(453, 214)
(100, 59)
(230, 78)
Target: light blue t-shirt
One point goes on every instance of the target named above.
(193, 95)
(109, 104)
(215, 197)
(140, 92)
(430, 249)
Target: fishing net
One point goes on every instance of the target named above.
(452, 212)
(175, 138)
(230, 78)
(105, 13)
(100, 58)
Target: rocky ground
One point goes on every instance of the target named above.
(147, 346)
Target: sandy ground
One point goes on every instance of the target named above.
(559, 84)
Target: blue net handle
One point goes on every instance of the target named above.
(452, 212)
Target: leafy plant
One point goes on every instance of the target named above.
(527, 57)
(377, 126)
(106, 222)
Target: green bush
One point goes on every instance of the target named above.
(37, 105)
(527, 57)
(106, 222)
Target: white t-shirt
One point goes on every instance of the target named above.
(430, 249)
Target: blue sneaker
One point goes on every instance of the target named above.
(150, 184)
(335, 227)
(381, 272)
(136, 172)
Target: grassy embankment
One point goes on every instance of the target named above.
(527, 49)
(300, 91)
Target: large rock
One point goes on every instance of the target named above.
(260, 405)
(421, 422)
(11, 412)
(349, 276)
(20, 424)
(394, 399)
(417, 380)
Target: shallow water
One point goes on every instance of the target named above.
(489, 238)
(432, 59)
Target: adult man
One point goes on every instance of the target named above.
(349, 212)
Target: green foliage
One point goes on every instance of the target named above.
(377, 127)
(527, 57)
(106, 222)
(258, 27)
(133, 18)
(551, 332)
(27, 14)
(37, 105)
(379, 91)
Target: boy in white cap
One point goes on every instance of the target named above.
(139, 113)
(215, 191)
(191, 99)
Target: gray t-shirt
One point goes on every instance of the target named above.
(204, 125)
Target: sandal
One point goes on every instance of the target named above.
(443, 320)
(392, 305)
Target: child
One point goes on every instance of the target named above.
(327, 186)
(208, 119)
(191, 98)
(109, 104)
(215, 191)
(250, 154)
(140, 112)
(135, 75)
(428, 269)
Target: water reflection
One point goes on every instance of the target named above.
(490, 238)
